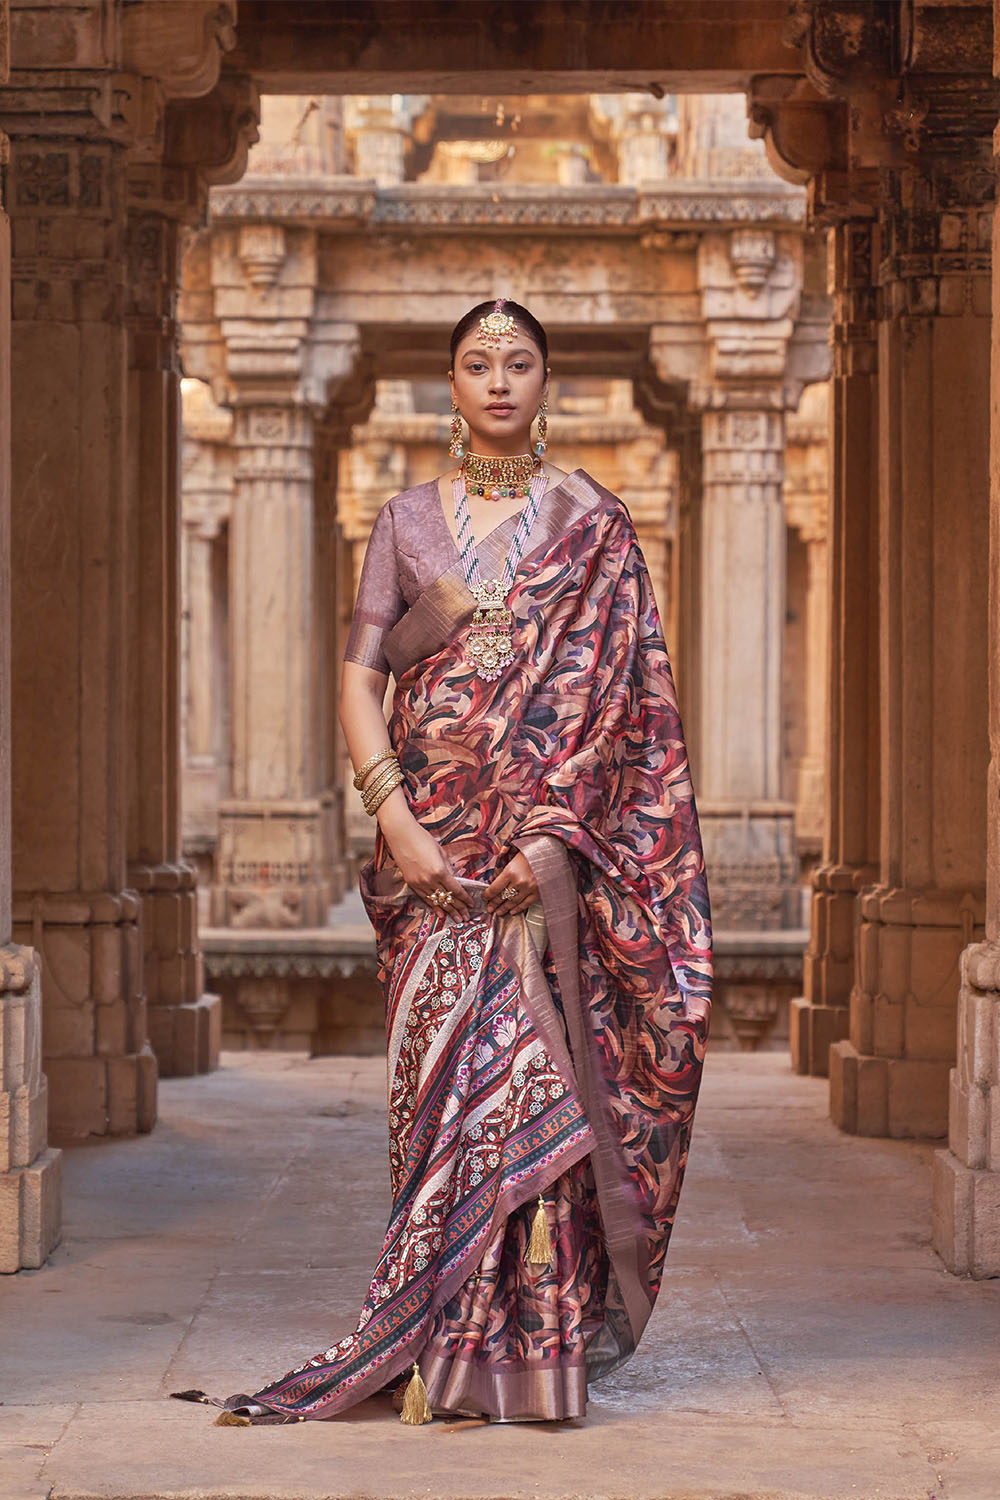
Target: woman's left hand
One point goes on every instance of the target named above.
(517, 876)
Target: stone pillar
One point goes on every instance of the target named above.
(69, 359)
(744, 366)
(642, 131)
(274, 833)
(206, 508)
(891, 1076)
(379, 127)
(966, 1175)
(851, 801)
(30, 1170)
(749, 829)
(87, 97)
(183, 1022)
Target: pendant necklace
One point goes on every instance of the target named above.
(488, 644)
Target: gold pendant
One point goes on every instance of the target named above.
(488, 644)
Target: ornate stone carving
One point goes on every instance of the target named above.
(214, 133)
(179, 42)
(437, 206)
(261, 251)
(752, 254)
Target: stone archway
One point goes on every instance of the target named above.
(311, 280)
(888, 113)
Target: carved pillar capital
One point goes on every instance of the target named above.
(179, 42)
(804, 132)
(213, 134)
(756, 345)
(78, 72)
(936, 235)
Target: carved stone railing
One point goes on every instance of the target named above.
(601, 206)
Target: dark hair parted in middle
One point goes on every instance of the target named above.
(520, 314)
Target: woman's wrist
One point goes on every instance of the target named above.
(394, 815)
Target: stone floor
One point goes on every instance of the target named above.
(807, 1344)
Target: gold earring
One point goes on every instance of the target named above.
(543, 429)
(456, 447)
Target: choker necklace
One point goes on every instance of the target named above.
(499, 477)
(488, 645)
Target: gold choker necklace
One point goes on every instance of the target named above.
(498, 477)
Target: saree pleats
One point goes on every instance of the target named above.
(563, 1059)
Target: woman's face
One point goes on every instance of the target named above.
(499, 391)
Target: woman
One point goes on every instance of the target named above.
(539, 898)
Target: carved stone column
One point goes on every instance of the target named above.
(379, 126)
(30, 1170)
(86, 98)
(183, 1023)
(851, 802)
(744, 366)
(70, 361)
(206, 507)
(274, 829)
(806, 513)
(966, 1175)
(749, 829)
(891, 1076)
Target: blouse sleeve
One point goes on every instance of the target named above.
(380, 602)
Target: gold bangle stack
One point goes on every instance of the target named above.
(388, 776)
(370, 764)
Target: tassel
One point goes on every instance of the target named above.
(231, 1419)
(539, 1252)
(416, 1407)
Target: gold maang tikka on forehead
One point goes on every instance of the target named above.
(496, 325)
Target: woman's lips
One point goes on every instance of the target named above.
(501, 408)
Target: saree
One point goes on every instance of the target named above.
(553, 1065)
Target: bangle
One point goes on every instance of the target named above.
(380, 777)
(369, 765)
(379, 782)
(393, 784)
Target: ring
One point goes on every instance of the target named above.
(448, 898)
(509, 893)
(438, 895)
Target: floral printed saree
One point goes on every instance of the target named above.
(558, 1061)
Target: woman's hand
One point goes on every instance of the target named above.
(516, 874)
(425, 867)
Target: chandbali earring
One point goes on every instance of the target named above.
(456, 447)
(543, 429)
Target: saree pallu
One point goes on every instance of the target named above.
(568, 1075)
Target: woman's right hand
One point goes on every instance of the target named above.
(425, 867)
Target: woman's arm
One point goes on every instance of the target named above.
(420, 858)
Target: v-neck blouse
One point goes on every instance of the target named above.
(410, 546)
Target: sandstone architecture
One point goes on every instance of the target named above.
(879, 116)
(704, 300)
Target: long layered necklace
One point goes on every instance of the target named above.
(488, 645)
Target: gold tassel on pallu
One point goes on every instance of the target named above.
(231, 1419)
(539, 1252)
(416, 1407)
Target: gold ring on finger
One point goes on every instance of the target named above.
(510, 893)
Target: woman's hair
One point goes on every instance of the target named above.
(520, 314)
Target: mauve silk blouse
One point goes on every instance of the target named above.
(409, 547)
